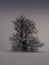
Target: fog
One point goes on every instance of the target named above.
(38, 11)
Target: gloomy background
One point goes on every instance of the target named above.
(37, 10)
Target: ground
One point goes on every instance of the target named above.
(19, 58)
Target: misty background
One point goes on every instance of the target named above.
(36, 10)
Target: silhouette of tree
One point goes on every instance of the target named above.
(24, 38)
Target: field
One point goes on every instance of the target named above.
(18, 58)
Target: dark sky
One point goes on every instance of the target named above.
(24, 3)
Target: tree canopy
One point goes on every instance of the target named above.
(24, 38)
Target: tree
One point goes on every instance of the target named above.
(24, 39)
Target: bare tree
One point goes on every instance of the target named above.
(24, 39)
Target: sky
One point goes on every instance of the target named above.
(36, 10)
